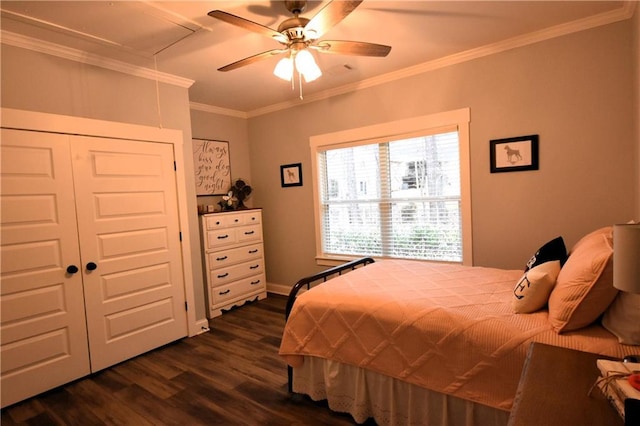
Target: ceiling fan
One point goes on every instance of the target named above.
(298, 35)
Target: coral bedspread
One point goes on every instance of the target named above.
(447, 328)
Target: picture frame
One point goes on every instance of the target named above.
(212, 167)
(514, 154)
(291, 175)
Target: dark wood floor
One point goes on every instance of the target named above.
(230, 375)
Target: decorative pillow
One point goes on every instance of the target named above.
(584, 288)
(607, 231)
(533, 289)
(552, 250)
(622, 318)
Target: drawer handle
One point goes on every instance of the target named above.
(255, 282)
(223, 275)
(253, 251)
(236, 220)
(254, 267)
(222, 237)
(222, 293)
(221, 258)
(249, 232)
(218, 223)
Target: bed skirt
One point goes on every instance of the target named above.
(389, 401)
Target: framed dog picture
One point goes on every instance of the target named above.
(291, 175)
(514, 154)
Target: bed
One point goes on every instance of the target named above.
(408, 342)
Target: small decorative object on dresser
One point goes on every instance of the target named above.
(241, 192)
(234, 200)
(233, 258)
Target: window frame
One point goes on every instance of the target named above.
(390, 131)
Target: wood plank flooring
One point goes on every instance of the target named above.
(231, 375)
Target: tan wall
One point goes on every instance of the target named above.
(37, 82)
(572, 91)
(205, 125)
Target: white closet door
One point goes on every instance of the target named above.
(128, 226)
(43, 331)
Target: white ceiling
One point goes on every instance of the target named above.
(179, 38)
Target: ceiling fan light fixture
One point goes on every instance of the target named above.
(284, 69)
(299, 34)
(306, 65)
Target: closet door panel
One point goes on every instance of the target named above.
(128, 227)
(42, 327)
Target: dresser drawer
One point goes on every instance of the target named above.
(252, 218)
(220, 238)
(237, 290)
(217, 221)
(249, 233)
(235, 272)
(226, 220)
(232, 256)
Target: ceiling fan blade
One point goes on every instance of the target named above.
(357, 48)
(329, 16)
(252, 59)
(248, 25)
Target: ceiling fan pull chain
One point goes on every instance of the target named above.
(155, 65)
(300, 83)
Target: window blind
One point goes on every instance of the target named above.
(399, 198)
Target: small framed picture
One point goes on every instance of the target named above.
(291, 175)
(514, 154)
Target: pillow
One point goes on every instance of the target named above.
(622, 318)
(552, 250)
(584, 288)
(607, 231)
(533, 289)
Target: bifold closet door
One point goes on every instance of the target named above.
(43, 330)
(130, 246)
(91, 267)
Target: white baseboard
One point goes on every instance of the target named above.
(202, 326)
(282, 289)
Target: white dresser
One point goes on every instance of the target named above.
(234, 259)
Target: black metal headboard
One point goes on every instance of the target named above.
(323, 276)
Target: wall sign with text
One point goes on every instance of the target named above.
(211, 167)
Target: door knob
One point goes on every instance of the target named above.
(72, 269)
(91, 266)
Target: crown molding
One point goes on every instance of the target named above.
(621, 14)
(217, 110)
(53, 49)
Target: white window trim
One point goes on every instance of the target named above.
(389, 131)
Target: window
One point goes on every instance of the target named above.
(403, 195)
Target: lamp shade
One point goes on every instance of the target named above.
(306, 65)
(626, 257)
(284, 69)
